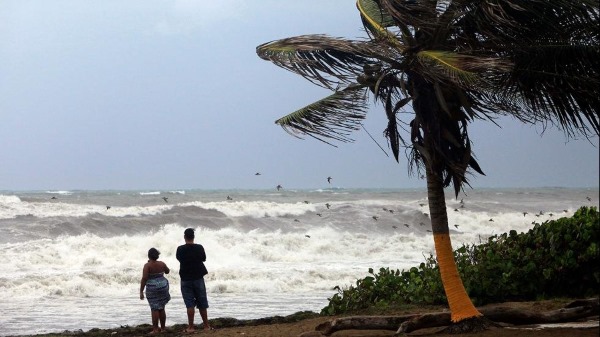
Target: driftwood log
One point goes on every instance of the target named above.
(501, 313)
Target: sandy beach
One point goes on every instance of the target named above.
(294, 325)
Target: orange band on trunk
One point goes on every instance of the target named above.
(460, 304)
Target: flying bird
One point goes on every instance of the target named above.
(525, 213)
(296, 220)
(279, 187)
(53, 198)
(456, 226)
(165, 199)
(328, 205)
(319, 214)
(306, 202)
(257, 173)
(421, 205)
(308, 236)
(391, 211)
(229, 198)
(407, 225)
(107, 207)
(492, 220)
(329, 180)
(588, 198)
(375, 217)
(395, 227)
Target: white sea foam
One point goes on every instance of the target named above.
(8, 200)
(256, 209)
(150, 193)
(12, 207)
(60, 192)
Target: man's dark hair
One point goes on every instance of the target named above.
(153, 254)
(189, 233)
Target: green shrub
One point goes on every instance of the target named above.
(557, 258)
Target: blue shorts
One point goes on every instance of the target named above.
(194, 294)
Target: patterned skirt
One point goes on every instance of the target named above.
(157, 291)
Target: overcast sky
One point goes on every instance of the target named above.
(149, 94)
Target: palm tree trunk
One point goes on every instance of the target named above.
(461, 306)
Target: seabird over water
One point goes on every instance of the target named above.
(53, 198)
(165, 199)
(257, 173)
(328, 205)
(279, 187)
(229, 198)
(329, 180)
(107, 207)
(375, 217)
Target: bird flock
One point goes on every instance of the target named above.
(377, 217)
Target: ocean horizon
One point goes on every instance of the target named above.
(80, 253)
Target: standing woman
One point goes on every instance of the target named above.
(157, 289)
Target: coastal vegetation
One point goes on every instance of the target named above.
(555, 259)
(452, 62)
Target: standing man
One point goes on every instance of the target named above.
(191, 257)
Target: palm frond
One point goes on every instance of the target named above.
(509, 24)
(323, 60)
(557, 83)
(460, 69)
(376, 20)
(420, 14)
(333, 117)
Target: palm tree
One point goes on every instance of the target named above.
(454, 61)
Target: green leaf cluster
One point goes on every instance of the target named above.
(557, 258)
